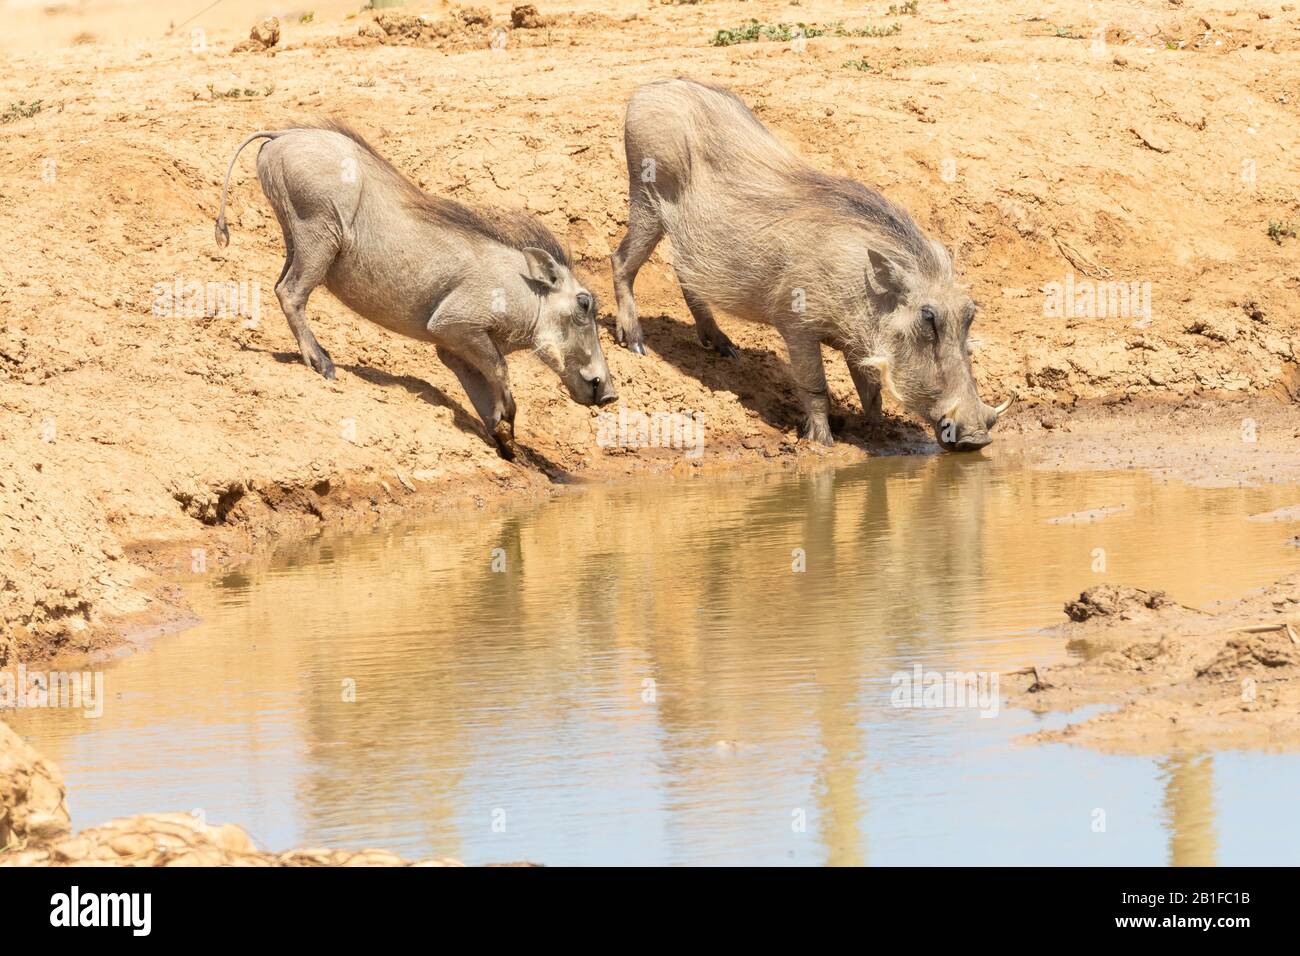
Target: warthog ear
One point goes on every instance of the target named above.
(884, 275)
(542, 266)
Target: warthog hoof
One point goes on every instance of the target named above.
(818, 431)
(322, 363)
(504, 436)
(632, 341)
(719, 342)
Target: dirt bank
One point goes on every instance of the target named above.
(137, 427)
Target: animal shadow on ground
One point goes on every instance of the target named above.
(430, 393)
(760, 379)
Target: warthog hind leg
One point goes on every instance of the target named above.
(644, 230)
(706, 327)
(304, 269)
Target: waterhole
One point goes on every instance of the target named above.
(689, 671)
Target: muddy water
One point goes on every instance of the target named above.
(642, 674)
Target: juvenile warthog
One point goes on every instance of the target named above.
(477, 284)
(757, 232)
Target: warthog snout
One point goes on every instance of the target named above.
(602, 390)
(954, 433)
(972, 441)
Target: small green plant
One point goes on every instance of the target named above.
(240, 93)
(862, 66)
(1065, 33)
(754, 31)
(903, 10)
(1279, 229)
(869, 31)
(307, 17)
(20, 110)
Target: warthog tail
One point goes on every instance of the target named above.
(223, 233)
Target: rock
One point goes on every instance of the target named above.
(35, 830)
(32, 806)
(180, 839)
(263, 36)
(524, 16)
(267, 32)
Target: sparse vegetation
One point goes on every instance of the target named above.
(868, 31)
(1067, 33)
(240, 93)
(862, 66)
(1279, 229)
(754, 31)
(307, 17)
(908, 9)
(20, 110)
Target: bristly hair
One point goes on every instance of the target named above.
(513, 228)
(851, 198)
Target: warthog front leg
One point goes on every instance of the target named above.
(810, 379)
(305, 268)
(867, 382)
(482, 372)
(644, 231)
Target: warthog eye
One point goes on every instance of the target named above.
(930, 319)
(585, 302)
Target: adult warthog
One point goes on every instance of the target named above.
(476, 284)
(757, 232)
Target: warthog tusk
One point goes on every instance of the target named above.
(999, 410)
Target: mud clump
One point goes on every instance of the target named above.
(1177, 677)
(475, 16)
(1250, 654)
(32, 807)
(1114, 601)
(404, 28)
(524, 16)
(263, 37)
